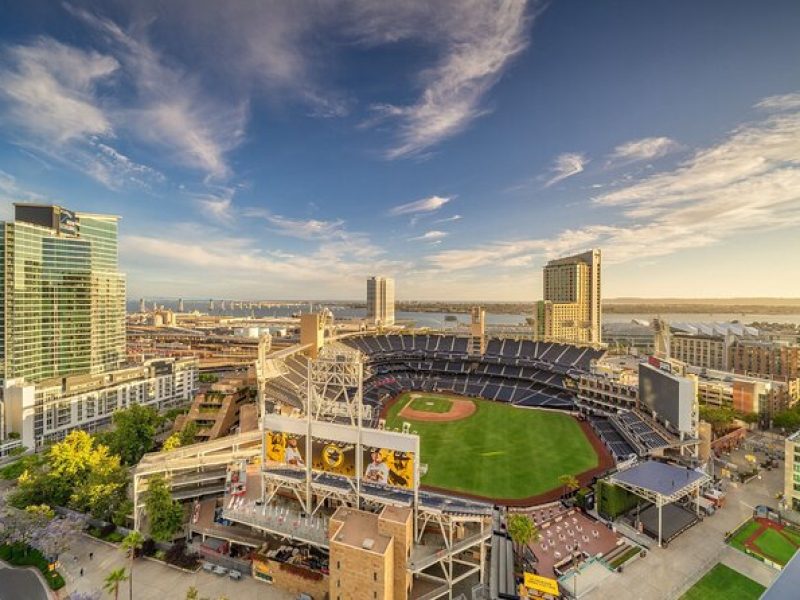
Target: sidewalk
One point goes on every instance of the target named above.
(152, 580)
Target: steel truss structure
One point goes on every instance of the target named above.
(335, 381)
(661, 500)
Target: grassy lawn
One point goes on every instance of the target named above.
(501, 451)
(792, 534)
(433, 404)
(739, 538)
(775, 546)
(724, 583)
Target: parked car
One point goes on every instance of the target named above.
(208, 567)
(234, 574)
(220, 570)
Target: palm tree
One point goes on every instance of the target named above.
(132, 543)
(522, 530)
(111, 584)
(570, 482)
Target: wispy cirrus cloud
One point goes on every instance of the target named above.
(52, 100)
(172, 109)
(425, 205)
(781, 102)
(478, 40)
(644, 149)
(566, 165)
(430, 236)
(51, 87)
(748, 182)
(449, 219)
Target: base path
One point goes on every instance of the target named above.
(459, 409)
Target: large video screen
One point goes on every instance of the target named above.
(388, 467)
(285, 449)
(669, 396)
(333, 457)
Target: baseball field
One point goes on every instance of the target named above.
(493, 450)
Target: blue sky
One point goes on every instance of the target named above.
(290, 149)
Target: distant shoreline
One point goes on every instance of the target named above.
(510, 308)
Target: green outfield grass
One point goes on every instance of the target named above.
(743, 534)
(771, 544)
(500, 451)
(724, 583)
(775, 546)
(434, 404)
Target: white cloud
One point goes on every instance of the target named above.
(307, 229)
(172, 110)
(430, 236)
(449, 219)
(566, 165)
(644, 149)
(213, 263)
(782, 102)
(11, 191)
(430, 204)
(477, 39)
(749, 182)
(50, 89)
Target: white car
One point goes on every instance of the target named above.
(234, 574)
(220, 570)
(208, 567)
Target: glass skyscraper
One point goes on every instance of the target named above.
(62, 297)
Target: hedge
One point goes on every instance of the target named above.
(19, 557)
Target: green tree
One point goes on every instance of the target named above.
(76, 472)
(522, 530)
(192, 593)
(132, 543)
(112, 581)
(189, 433)
(720, 419)
(134, 433)
(788, 419)
(163, 513)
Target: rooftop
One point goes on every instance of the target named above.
(659, 478)
(360, 530)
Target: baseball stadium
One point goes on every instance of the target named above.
(419, 442)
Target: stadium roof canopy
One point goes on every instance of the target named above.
(661, 483)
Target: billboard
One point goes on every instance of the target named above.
(538, 583)
(669, 396)
(385, 466)
(333, 457)
(285, 449)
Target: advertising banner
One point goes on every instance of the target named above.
(333, 457)
(285, 449)
(542, 584)
(388, 467)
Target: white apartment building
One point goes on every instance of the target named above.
(47, 411)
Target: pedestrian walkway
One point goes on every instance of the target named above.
(152, 580)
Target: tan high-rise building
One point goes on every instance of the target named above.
(571, 310)
(380, 300)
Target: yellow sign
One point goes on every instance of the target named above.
(542, 584)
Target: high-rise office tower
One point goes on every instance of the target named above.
(62, 297)
(571, 310)
(180, 305)
(142, 307)
(380, 300)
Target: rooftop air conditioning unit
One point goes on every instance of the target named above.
(368, 543)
